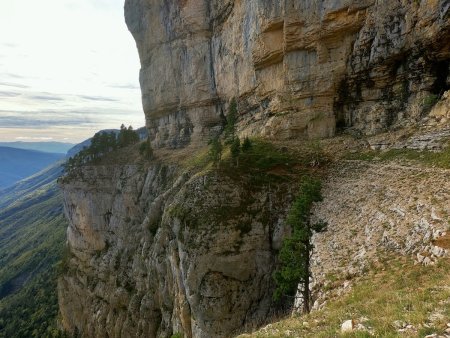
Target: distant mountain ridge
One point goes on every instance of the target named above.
(17, 164)
(32, 242)
(48, 147)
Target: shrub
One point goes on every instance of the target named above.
(232, 117)
(145, 149)
(430, 101)
(215, 150)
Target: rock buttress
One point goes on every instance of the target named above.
(154, 252)
(298, 68)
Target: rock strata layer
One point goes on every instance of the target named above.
(297, 68)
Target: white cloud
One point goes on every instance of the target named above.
(34, 138)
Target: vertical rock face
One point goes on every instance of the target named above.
(154, 252)
(157, 251)
(298, 68)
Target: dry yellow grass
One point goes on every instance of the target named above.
(396, 295)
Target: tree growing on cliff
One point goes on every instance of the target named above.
(145, 149)
(127, 136)
(232, 117)
(215, 150)
(246, 145)
(235, 150)
(295, 254)
(101, 144)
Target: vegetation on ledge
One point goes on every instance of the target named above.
(440, 159)
(103, 144)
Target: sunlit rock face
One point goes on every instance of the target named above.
(297, 68)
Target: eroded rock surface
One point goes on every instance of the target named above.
(297, 68)
(373, 208)
(155, 252)
(158, 251)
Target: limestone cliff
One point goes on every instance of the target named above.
(159, 251)
(158, 248)
(297, 68)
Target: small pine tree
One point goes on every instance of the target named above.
(145, 149)
(215, 150)
(295, 254)
(235, 150)
(232, 117)
(246, 145)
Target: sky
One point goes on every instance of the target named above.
(68, 68)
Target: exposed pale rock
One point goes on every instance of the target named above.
(362, 202)
(298, 68)
(155, 252)
(347, 326)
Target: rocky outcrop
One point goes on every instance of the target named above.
(154, 252)
(156, 249)
(374, 208)
(297, 68)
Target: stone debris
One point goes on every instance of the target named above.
(389, 209)
(347, 326)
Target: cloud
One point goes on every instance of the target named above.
(14, 85)
(9, 44)
(9, 94)
(46, 98)
(14, 76)
(45, 122)
(34, 138)
(97, 98)
(125, 86)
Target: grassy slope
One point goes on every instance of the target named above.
(439, 159)
(397, 290)
(32, 235)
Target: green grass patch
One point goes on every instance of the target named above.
(262, 164)
(395, 291)
(439, 159)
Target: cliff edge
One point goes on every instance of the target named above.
(168, 246)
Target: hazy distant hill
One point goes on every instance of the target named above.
(32, 242)
(32, 237)
(17, 164)
(49, 147)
